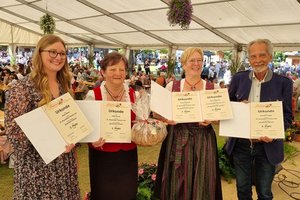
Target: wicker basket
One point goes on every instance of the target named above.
(148, 132)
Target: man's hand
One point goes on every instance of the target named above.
(265, 139)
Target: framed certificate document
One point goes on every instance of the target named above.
(254, 120)
(194, 106)
(56, 124)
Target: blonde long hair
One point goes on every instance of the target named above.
(38, 74)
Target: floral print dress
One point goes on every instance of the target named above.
(33, 179)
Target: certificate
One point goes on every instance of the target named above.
(267, 120)
(254, 120)
(68, 119)
(215, 104)
(115, 122)
(186, 107)
(57, 124)
(107, 120)
(193, 106)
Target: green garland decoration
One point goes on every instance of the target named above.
(47, 24)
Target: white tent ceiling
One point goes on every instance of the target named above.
(216, 24)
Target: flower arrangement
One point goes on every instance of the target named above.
(293, 132)
(146, 180)
(47, 24)
(180, 12)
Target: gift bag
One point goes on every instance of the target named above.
(146, 131)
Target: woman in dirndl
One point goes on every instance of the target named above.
(113, 166)
(188, 161)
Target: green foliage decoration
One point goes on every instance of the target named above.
(164, 51)
(236, 66)
(47, 24)
(91, 59)
(279, 56)
(143, 193)
(171, 65)
(225, 166)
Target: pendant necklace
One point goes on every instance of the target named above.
(115, 97)
(193, 87)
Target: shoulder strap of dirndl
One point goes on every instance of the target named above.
(131, 95)
(97, 92)
(176, 86)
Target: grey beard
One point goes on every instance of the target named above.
(260, 69)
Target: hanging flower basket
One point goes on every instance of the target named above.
(47, 24)
(180, 13)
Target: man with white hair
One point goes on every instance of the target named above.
(263, 154)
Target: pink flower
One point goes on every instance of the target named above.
(180, 12)
(141, 171)
(153, 177)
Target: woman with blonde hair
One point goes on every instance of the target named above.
(49, 79)
(188, 162)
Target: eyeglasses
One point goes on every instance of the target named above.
(195, 61)
(53, 53)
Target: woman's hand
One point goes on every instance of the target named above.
(205, 123)
(161, 118)
(69, 148)
(99, 143)
(169, 122)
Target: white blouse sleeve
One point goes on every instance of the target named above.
(90, 95)
(169, 86)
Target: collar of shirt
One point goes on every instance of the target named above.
(267, 77)
(255, 90)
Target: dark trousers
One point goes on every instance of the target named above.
(147, 70)
(247, 158)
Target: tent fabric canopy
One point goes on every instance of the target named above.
(140, 24)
